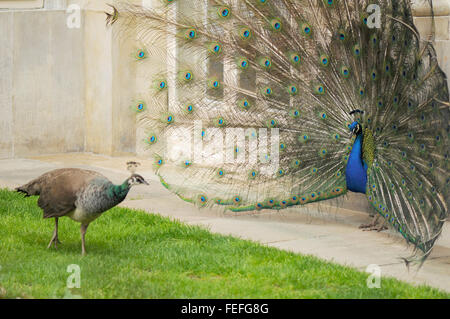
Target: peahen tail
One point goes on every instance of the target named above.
(252, 106)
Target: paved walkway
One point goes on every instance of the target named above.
(327, 232)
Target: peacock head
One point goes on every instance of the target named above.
(136, 179)
(355, 127)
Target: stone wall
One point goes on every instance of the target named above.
(423, 23)
(22, 4)
(41, 84)
(64, 89)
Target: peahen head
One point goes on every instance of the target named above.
(119, 192)
(136, 179)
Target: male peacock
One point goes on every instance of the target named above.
(82, 195)
(309, 70)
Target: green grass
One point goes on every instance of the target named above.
(132, 254)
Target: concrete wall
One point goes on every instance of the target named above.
(22, 4)
(98, 79)
(41, 84)
(61, 88)
(424, 24)
(6, 114)
(110, 76)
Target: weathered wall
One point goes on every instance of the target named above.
(24, 4)
(423, 23)
(98, 81)
(6, 114)
(41, 84)
(61, 89)
(109, 80)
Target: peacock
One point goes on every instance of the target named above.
(269, 104)
(82, 195)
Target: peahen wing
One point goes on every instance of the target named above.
(407, 120)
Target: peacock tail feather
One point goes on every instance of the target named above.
(253, 110)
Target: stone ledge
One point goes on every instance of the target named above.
(442, 26)
(21, 4)
(421, 8)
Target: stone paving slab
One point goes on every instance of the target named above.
(321, 230)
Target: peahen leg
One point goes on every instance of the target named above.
(55, 236)
(83, 229)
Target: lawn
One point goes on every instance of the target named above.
(132, 254)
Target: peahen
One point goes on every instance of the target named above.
(277, 103)
(79, 194)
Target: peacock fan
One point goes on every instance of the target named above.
(357, 95)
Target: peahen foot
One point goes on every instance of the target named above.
(55, 241)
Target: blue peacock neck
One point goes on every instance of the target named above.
(356, 173)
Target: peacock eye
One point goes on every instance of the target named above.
(224, 12)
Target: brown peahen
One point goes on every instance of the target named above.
(79, 194)
(307, 73)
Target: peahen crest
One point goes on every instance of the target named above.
(132, 166)
(253, 106)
